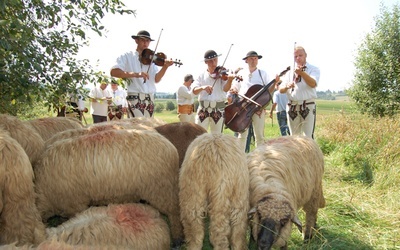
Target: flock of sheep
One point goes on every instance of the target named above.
(145, 184)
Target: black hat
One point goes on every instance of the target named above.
(210, 54)
(252, 53)
(143, 34)
(188, 77)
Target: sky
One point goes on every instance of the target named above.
(330, 31)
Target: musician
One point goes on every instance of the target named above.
(185, 100)
(211, 87)
(301, 92)
(119, 104)
(99, 97)
(252, 75)
(142, 79)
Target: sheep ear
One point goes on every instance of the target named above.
(297, 222)
(251, 212)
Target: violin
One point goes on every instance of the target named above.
(222, 72)
(297, 78)
(158, 58)
(238, 114)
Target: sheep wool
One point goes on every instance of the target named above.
(116, 226)
(181, 134)
(214, 182)
(25, 135)
(49, 126)
(285, 175)
(112, 166)
(20, 221)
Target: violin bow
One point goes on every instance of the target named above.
(294, 64)
(154, 54)
(223, 62)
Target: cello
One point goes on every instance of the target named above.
(238, 115)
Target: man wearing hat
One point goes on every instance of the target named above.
(252, 76)
(141, 78)
(185, 100)
(211, 87)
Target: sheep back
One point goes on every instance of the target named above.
(214, 181)
(285, 175)
(49, 126)
(126, 226)
(25, 135)
(112, 166)
(181, 134)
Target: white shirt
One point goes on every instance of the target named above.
(302, 91)
(129, 62)
(258, 76)
(101, 106)
(119, 97)
(184, 95)
(218, 94)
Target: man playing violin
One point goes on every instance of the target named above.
(301, 92)
(253, 76)
(211, 87)
(141, 78)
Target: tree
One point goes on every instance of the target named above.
(39, 43)
(377, 79)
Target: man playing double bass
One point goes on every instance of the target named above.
(253, 76)
(141, 78)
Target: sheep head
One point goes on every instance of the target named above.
(271, 221)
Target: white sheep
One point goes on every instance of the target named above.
(20, 221)
(113, 166)
(285, 175)
(24, 134)
(49, 126)
(126, 226)
(214, 182)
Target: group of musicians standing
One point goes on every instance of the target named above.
(214, 84)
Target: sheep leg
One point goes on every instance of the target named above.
(239, 228)
(311, 210)
(219, 229)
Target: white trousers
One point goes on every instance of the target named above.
(258, 128)
(301, 125)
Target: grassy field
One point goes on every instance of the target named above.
(361, 181)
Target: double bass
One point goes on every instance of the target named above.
(238, 115)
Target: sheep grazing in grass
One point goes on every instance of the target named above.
(181, 134)
(214, 182)
(127, 226)
(113, 166)
(20, 221)
(49, 126)
(285, 175)
(24, 134)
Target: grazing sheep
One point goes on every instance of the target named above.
(147, 121)
(285, 175)
(131, 226)
(20, 221)
(24, 134)
(49, 126)
(214, 181)
(112, 166)
(181, 134)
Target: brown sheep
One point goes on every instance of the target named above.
(24, 134)
(181, 134)
(214, 182)
(285, 175)
(20, 221)
(113, 166)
